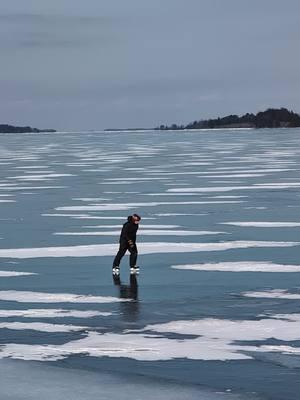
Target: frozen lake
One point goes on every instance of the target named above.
(214, 313)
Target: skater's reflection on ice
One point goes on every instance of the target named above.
(127, 291)
(129, 309)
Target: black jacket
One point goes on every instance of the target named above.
(129, 231)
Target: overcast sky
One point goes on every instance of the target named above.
(73, 64)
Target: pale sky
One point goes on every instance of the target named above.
(93, 64)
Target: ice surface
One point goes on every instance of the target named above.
(33, 381)
(183, 324)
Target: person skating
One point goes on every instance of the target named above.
(128, 242)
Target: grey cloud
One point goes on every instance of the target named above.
(72, 64)
(44, 19)
(38, 30)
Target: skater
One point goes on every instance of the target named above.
(128, 242)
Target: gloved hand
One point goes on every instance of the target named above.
(131, 244)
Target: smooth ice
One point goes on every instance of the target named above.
(33, 382)
(213, 314)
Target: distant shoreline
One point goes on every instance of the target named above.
(5, 128)
(270, 118)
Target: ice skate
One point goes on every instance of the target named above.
(134, 270)
(116, 271)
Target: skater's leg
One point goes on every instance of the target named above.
(133, 255)
(120, 254)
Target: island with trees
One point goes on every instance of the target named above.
(4, 128)
(271, 118)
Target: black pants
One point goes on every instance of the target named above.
(124, 246)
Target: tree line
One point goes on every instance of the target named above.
(4, 128)
(271, 118)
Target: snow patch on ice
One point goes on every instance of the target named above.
(215, 340)
(40, 326)
(264, 224)
(52, 313)
(142, 232)
(15, 273)
(283, 185)
(109, 207)
(243, 266)
(41, 297)
(145, 226)
(273, 294)
(145, 248)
